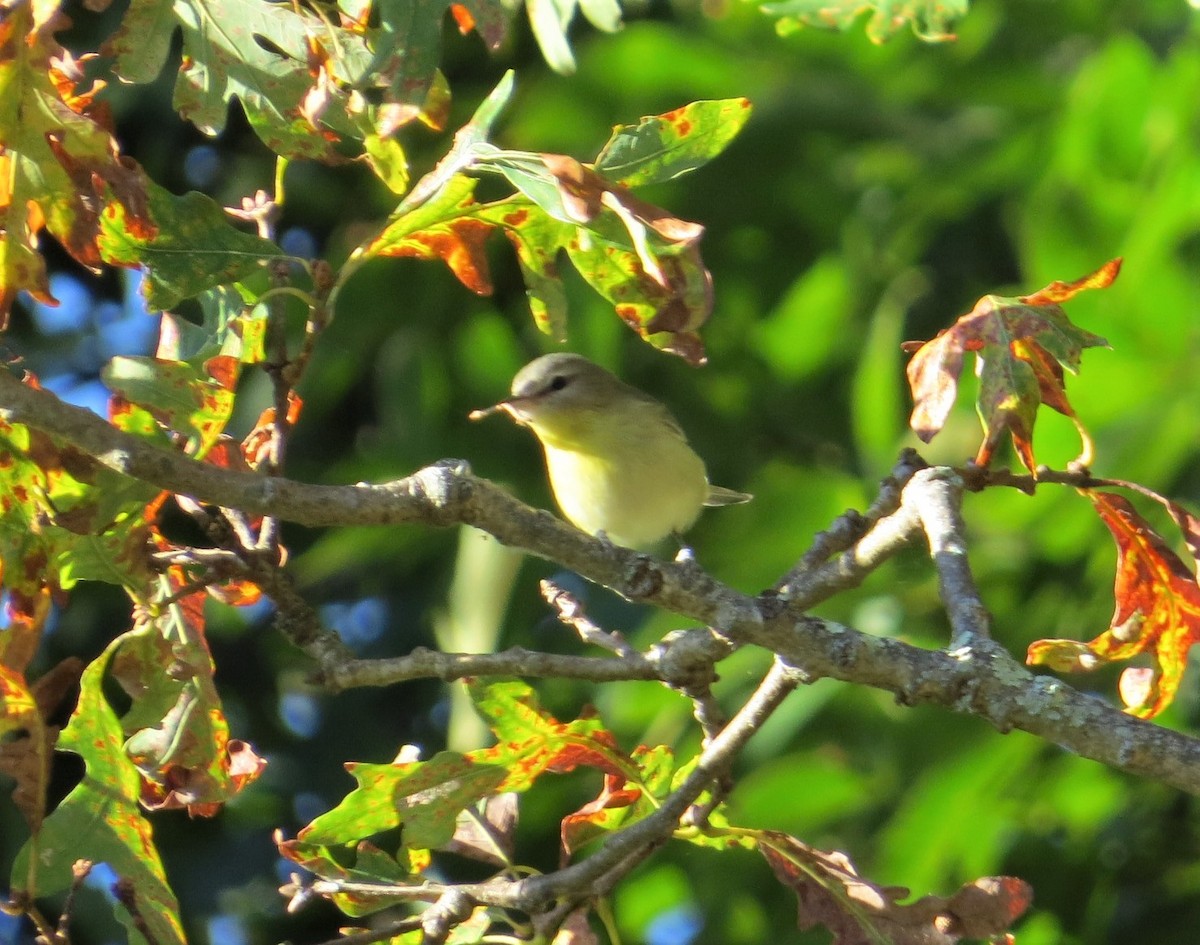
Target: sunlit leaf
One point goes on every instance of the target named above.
(550, 19)
(24, 748)
(531, 742)
(932, 20)
(621, 800)
(407, 45)
(270, 77)
(445, 227)
(63, 517)
(177, 393)
(59, 166)
(1021, 346)
(194, 248)
(662, 147)
(424, 798)
(1157, 612)
(641, 258)
(176, 733)
(100, 820)
(27, 739)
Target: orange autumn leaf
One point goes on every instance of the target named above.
(1022, 346)
(60, 167)
(1157, 612)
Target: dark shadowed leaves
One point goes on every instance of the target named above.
(830, 892)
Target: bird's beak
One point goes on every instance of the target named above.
(482, 412)
(512, 407)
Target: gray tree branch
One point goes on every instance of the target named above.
(976, 675)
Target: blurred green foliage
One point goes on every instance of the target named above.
(876, 193)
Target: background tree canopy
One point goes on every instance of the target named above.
(875, 192)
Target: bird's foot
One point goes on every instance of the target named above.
(685, 555)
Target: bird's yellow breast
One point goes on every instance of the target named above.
(635, 481)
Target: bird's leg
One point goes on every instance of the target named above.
(685, 555)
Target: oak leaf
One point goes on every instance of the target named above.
(1021, 347)
(931, 20)
(830, 892)
(176, 733)
(59, 165)
(1157, 612)
(27, 738)
(641, 258)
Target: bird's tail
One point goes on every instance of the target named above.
(719, 495)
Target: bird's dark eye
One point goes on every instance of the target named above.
(558, 382)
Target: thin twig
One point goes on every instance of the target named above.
(424, 663)
(851, 526)
(570, 612)
(368, 936)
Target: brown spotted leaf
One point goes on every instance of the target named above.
(260, 55)
(24, 747)
(406, 39)
(1157, 612)
(622, 800)
(193, 249)
(423, 799)
(59, 165)
(641, 258)
(305, 79)
(26, 739)
(856, 911)
(63, 518)
(180, 395)
(176, 733)
(445, 227)
(426, 799)
(100, 820)
(1021, 346)
(531, 742)
(663, 147)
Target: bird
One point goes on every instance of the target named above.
(619, 464)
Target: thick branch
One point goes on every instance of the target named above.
(980, 678)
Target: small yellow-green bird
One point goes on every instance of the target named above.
(619, 463)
